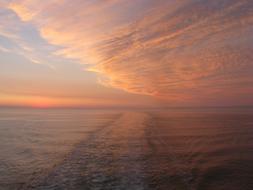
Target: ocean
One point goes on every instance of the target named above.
(176, 149)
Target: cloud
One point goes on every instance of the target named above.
(179, 51)
(22, 39)
(3, 49)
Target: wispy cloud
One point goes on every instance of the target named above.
(21, 38)
(3, 49)
(179, 51)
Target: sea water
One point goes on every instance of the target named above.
(126, 149)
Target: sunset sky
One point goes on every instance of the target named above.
(117, 53)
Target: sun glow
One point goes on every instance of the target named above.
(42, 102)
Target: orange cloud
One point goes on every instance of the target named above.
(175, 50)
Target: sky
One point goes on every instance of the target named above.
(122, 53)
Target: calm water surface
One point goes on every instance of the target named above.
(150, 149)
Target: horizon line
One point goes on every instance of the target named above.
(126, 107)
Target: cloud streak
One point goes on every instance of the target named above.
(188, 51)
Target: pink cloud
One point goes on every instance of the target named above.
(177, 51)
